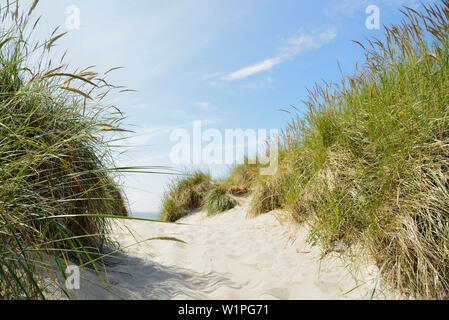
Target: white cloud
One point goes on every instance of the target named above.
(292, 48)
(256, 68)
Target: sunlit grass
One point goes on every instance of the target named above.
(217, 200)
(58, 181)
(368, 165)
(185, 195)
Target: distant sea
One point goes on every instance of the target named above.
(146, 215)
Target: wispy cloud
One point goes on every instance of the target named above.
(290, 49)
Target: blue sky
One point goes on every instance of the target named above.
(230, 64)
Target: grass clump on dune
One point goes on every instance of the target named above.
(217, 200)
(244, 175)
(368, 165)
(185, 195)
(267, 195)
(197, 190)
(55, 184)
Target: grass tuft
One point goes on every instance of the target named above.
(56, 165)
(217, 200)
(185, 195)
(244, 175)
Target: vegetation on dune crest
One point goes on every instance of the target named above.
(368, 165)
(217, 200)
(244, 174)
(196, 191)
(55, 184)
(185, 195)
(267, 195)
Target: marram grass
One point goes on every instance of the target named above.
(217, 200)
(368, 165)
(57, 177)
(184, 195)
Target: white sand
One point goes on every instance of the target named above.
(226, 257)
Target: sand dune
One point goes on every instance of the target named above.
(226, 257)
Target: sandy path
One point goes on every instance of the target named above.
(226, 257)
